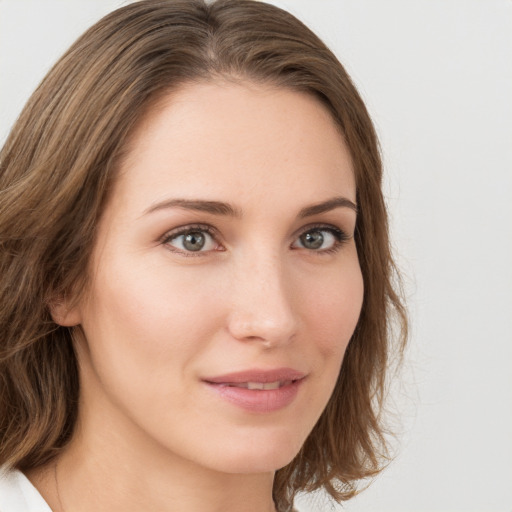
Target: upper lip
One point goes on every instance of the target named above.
(257, 375)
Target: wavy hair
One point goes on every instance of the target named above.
(56, 169)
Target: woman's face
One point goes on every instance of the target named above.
(226, 247)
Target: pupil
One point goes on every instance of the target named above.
(194, 241)
(312, 240)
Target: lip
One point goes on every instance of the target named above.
(256, 375)
(258, 400)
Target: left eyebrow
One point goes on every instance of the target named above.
(325, 206)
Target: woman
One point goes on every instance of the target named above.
(196, 276)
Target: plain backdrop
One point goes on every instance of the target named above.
(437, 78)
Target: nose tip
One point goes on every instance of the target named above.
(269, 331)
(262, 311)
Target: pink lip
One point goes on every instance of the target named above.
(258, 400)
(257, 375)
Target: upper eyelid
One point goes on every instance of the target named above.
(324, 226)
(215, 232)
(172, 233)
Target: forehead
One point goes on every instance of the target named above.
(213, 138)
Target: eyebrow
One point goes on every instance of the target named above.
(221, 208)
(215, 207)
(325, 206)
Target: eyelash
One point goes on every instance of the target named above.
(202, 228)
(339, 235)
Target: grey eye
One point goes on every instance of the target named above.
(193, 241)
(312, 240)
(317, 239)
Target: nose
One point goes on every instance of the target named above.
(262, 309)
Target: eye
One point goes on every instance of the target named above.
(191, 240)
(321, 239)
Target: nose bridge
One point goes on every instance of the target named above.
(262, 305)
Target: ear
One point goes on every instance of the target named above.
(64, 313)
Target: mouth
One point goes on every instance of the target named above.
(258, 391)
(257, 385)
(275, 377)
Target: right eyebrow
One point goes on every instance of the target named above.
(214, 207)
(325, 206)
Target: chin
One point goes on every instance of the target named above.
(258, 455)
(252, 463)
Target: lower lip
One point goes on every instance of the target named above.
(258, 400)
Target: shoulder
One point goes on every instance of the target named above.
(17, 494)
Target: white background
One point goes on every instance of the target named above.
(437, 77)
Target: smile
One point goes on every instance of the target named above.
(258, 385)
(258, 391)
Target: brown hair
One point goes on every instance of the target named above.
(55, 171)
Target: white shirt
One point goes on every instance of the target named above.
(17, 494)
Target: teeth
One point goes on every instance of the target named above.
(261, 385)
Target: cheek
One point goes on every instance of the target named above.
(153, 302)
(143, 325)
(334, 308)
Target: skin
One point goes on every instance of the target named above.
(158, 318)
